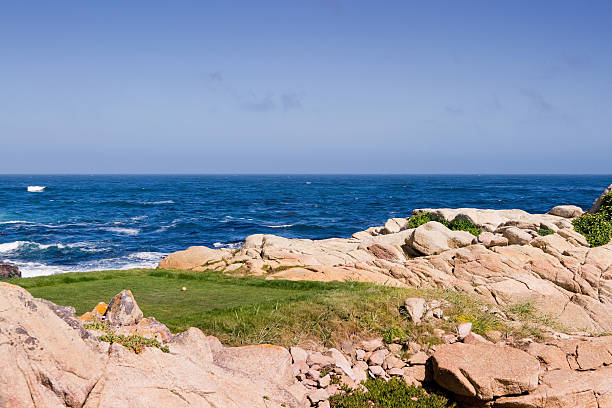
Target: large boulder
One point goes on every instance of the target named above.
(193, 257)
(433, 238)
(484, 371)
(566, 211)
(8, 271)
(49, 360)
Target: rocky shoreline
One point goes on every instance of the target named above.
(113, 356)
(517, 257)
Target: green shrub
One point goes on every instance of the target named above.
(394, 393)
(458, 224)
(597, 227)
(545, 231)
(394, 335)
(462, 224)
(419, 219)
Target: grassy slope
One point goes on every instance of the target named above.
(253, 310)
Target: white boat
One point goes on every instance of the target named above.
(36, 189)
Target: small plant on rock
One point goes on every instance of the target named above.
(545, 231)
(134, 342)
(458, 224)
(394, 393)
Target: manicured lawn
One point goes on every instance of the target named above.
(248, 310)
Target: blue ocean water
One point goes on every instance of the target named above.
(97, 222)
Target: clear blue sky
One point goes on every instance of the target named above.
(306, 87)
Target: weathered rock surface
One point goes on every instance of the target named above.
(49, 360)
(123, 310)
(8, 271)
(484, 371)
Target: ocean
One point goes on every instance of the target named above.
(94, 222)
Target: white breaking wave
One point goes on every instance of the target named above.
(131, 261)
(127, 231)
(36, 189)
(280, 226)
(11, 246)
(231, 245)
(16, 222)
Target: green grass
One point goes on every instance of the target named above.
(249, 310)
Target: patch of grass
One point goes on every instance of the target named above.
(134, 342)
(252, 310)
(395, 335)
(458, 224)
(394, 393)
(597, 227)
(545, 231)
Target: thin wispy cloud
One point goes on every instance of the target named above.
(290, 101)
(453, 110)
(260, 104)
(537, 100)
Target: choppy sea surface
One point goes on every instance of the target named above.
(82, 223)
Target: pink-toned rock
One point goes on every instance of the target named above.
(484, 371)
(122, 310)
(192, 257)
(566, 388)
(49, 360)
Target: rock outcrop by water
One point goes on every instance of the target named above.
(509, 262)
(8, 271)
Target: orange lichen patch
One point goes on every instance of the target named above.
(86, 317)
(149, 328)
(96, 313)
(100, 308)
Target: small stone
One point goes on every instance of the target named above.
(394, 347)
(395, 371)
(415, 308)
(393, 362)
(317, 395)
(324, 381)
(449, 339)
(463, 329)
(319, 359)
(298, 354)
(378, 357)
(341, 362)
(314, 374)
(438, 333)
(419, 358)
(377, 371)
(473, 338)
(300, 368)
(323, 404)
(414, 347)
(372, 345)
(359, 354)
(438, 313)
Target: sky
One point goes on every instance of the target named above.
(306, 87)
